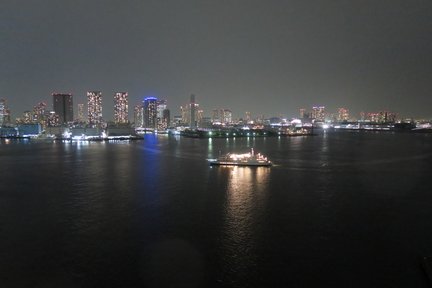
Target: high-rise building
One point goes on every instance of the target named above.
(189, 113)
(223, 116)
(193, 109)
(150, 112)
(139, 115)
(161, 106)
(164, 122)
(94, 108)
(318, 113)
(382, 117)
(185, 115)
(53, 119)
(80, 115)
(39, 111)
(63, 107)
(162, 114)
(199, 117)
(121, 108)
(27, 117)
(343, 114)
(227, 116)
(166, 116)
(4, 113)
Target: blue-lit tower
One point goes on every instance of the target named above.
(150, 112)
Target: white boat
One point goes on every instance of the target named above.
(246, 159)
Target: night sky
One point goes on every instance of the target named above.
(266, 57)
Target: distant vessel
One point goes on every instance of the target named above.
(301, 132)
(247, 159)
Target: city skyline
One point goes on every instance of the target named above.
(266, 58)
(190, 113)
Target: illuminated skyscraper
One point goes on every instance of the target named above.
(190, 113)
(199, 117)
(166, 116)
(227, 116)
(63, 107)
(27, 117)
(343, 114)
(162, 121)
(39, 113)
(121, 108)
(193, 112)
(382, 117)
(318, 113)
(223, 116)
(4, 113)
(139, 115)
(185, 115)
(150, 112)
(94, 108)
(80, 117)
(161, 106)
(53, 119)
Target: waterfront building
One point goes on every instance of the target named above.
(163, 115)
(4, 113)
(6, 131)
(63, 107)
(163, 122)
(121, 108)
(150, 112)
(382, 117)
(185, 115)
(80, 118)
(199, 117)
(39, 113)
(161, 106)
(227, 116)
(178, 120)
(343, 114)
(27, 117)
(139, 116)
(190, 113)
(193, 109)
(53, 119)
(32, 129)
(94, 108)
(166, 116)
(222, 116)
(318, 113)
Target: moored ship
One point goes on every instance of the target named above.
(246, 159)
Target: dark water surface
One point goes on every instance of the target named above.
(337, 210)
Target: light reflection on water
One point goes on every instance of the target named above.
(246, 192)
